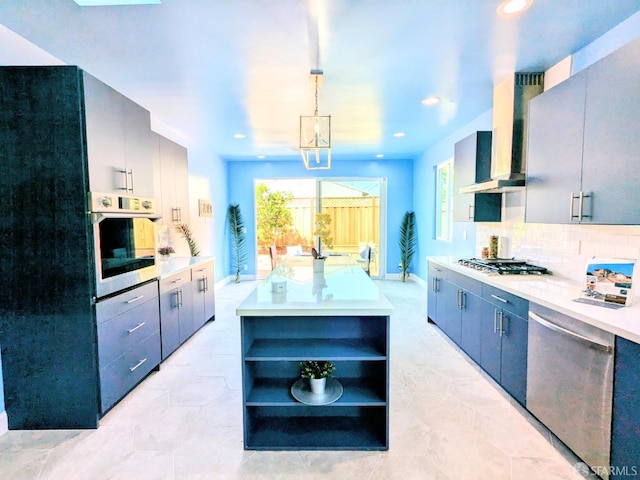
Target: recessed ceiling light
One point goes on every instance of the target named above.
(430, 101)
(239, 135)
(380, 155)
(399, 134)
(513, 7)
(101, 3)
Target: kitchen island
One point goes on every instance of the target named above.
(296, 314)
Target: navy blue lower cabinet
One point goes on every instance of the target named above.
(625, 435)
(437, 276)
(451, 307)
(272, 349)
(490, 341)
(513, 365)
(470, 325)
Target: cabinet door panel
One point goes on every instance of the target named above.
(554, 154)
(170, 322)
(490, 343)
(187, 324)
(105, 136)
(137, 149)
(625, 434)
(432, 293)
(446, 291)
(454, 313)
(513, 372)
(611, 139)
(470, 325)
(472, 164)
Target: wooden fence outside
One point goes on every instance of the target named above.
(355, 221)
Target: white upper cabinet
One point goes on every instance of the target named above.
(118, 135)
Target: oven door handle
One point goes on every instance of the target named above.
(556, 328)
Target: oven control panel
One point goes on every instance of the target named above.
(111, 203)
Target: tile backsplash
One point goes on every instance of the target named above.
(563, 249)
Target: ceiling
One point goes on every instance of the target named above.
(209, 69)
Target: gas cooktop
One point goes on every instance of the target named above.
(503, 266)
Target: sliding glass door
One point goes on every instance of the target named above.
(336, 216)
(351, 212)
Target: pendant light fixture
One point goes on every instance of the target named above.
(315, 134)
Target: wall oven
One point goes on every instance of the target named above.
(124, 241)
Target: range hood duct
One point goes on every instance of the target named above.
(510, 123)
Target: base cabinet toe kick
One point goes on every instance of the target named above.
(581, 382)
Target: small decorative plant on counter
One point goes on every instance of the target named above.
(187, 234)
(317, 372)
(166, 251)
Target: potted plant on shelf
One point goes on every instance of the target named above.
(165, 252)
(317, 372)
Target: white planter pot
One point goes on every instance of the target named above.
(318, 384)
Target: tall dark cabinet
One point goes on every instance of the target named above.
(48, 324)
(472, 164)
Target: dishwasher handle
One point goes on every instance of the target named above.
(552, 326)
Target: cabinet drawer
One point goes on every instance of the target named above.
(122, 375)
(203, 269)
(438, 271)
(506, 300)
(180, 279)
(125, 301)
(466, 283)
(124, 332)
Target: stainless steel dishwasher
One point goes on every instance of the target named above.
(570, 382)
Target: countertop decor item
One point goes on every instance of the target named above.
(187, 234)
(493, 246)
(165, 252)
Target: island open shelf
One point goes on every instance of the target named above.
(351, 331)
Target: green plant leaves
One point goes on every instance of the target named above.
(407, 242)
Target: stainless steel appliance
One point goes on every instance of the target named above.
(570, 382)
(124, 241)
(509, 137)
(502, 266)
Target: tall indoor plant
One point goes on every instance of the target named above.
(239, 242)
(407, 242)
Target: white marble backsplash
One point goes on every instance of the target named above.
(563, 249)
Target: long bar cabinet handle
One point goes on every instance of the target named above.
(140, 325)
(130, 174)
(135, 299)
(135, 367)
(576, 336)
(499, 298)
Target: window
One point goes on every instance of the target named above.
(444, 184)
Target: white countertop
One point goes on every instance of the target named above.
(557, 294)
(343, 289)
(179, 264)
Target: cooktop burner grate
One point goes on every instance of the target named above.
(503, 266)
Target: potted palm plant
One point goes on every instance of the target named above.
(317, 372)
(408, 243)
(238, 237)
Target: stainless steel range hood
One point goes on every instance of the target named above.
(509, 145)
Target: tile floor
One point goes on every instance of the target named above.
(185, 421)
